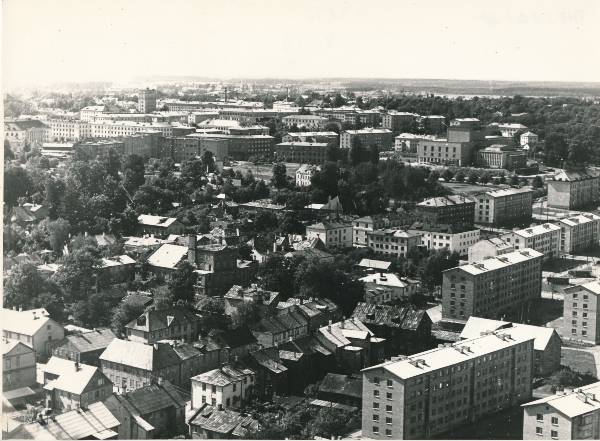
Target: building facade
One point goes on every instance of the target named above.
(581, 313)
(573, 189)
(504, 208)
(332, 234)
(492, 286)
(229, 386)
(364, 225)
(501, 156)
(447, 210)
(542, 238)
(393, 242)
(147, 100)
(382, 138)
(302, 152)
(579, 232)
(432, 392)
(18, 365)
(445, 152)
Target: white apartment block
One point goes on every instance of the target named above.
(507, 207)
(528, 138)
(568, 414)
(444, 237)
(306, 121)
(382, 138)
(68, 130)
(579, 232)
(432, 392)
(332, 234)
(304, 175)
(393, 242)
(542, 238)
(127, 128)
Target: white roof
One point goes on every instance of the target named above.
(376, 264)
(168, 255)
(592, 287)
(446, 356)
(69, 378)
(303, 134)
(579, 219)
(475, 326)
(117, 261)
(387, 279)
(155, 221)
(143, 241)
(507, 192)
(339, 334)
(501, 261)
(129, 353)
(537, 230)
(24, 322)
(367, 131)
(8, 344)
(573, 403)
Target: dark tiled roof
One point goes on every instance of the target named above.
(164, 318)
(150, 399)
(25, 124)
(269, 359)
(342, 385)
(236, 338)
(225, 421)
(88, 341)
(388, 315)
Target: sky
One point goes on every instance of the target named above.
(44, 41)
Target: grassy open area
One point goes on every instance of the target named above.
(578, 360)
(507, 424)
(458, 187)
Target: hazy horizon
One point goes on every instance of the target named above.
(65, 41)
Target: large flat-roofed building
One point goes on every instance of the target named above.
(302, 152)
(501, 156)
(450, 210)
(408, 143)
(364, 225)
(581, 313)
(236, 147)
(568, 414)
(68, 130)
(306, 121)
(579, 232)
(573, 189)
(128, 128)
(504, 208)
(398, 121)
(382, 138)
(454, 238)
(493, 286)
(392, 241)
(465, 130)
(432, 392)
(432, 123)
(328, 137)
(543, 238)
(444, 151)
(147, 100)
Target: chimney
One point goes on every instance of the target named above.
(192, 249)
(77, 367)
(220, 407)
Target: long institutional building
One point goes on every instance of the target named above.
(507, 207)
(491, 287)
(432, 392)
(382, 138)
(568, 414)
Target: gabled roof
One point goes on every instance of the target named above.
(140, 355)
(24, 322)
(339, 333)
(8, 344)
(164, 318)
(155, 397)
(591, 287)
(155, 221)
(72, 377)
(443, 201)
(384, 279)
(168, 256)
(89, 341)
(390, 315)
(224, 375)
(95, 422)
(224, 421)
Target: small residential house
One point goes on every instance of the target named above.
(35, 328)
(265, 301)
(216, 422)
(84, 347)
(18, 365)
(165, 324)
(230, 386)
(273, 330)
(71, 385)
(159, 225)
(386, 287)
(156, 411)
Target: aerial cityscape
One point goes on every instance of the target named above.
(301, 220)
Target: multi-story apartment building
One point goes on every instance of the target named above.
(398, 121)
(305, 121)
(542, 238)
(504, 208)
(332, 234)
(443, 151)
(68, 130)
(579, 232)
(493, 286)
(304, 174)
(501, 156)
(382, 138)
(448, 210)
(229, 386)
(393, 242)
(147, 100)
(429, 393)
(362, 226)
(573, 189)
(581, 313)
(302, 152)
(328, 137)
(453, 238)
(568, 414)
